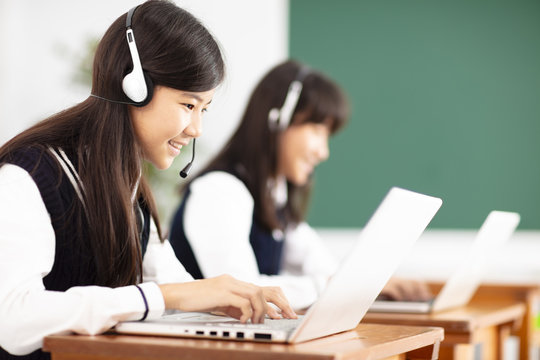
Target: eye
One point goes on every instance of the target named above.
(204, 110)
(190, 106)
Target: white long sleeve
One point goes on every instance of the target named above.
(306, 254)
(27, 247)
(217, 222)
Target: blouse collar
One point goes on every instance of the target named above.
(278, 190)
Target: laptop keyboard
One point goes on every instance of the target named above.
(282, 324)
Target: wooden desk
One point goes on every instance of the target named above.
(367, 341)
(474, 331)
(529, 294)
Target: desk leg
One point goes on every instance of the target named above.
(504, 333)
(525, 331)
(491, 340)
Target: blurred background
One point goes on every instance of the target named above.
(445, 96)
(446, 101)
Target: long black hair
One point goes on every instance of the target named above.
(176, 51)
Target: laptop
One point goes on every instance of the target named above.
(382, 244)
(461, 286)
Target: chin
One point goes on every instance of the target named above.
(163, 165)
(299, 180)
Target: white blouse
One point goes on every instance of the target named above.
(217, 222)
(28, 312)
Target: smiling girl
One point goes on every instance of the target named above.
(244, 214)
(80, 243)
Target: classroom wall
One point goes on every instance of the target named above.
(439, 252)
(445, 98)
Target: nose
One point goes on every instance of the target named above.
(324, 151)
(194, 129)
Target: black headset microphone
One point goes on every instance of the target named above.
(137, 85)
(185, 171)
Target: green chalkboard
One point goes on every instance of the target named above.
(445, 100)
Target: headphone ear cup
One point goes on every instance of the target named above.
(150, 90)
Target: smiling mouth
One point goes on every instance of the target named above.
(175, 145)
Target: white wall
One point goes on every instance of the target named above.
(437, 254)
(40, 42)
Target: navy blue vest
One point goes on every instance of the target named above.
(268, 250)
(73, 262)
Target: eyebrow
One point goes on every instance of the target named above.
(196, 97)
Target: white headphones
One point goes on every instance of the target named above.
(279, 119)
(136, 85)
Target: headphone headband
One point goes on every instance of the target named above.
(129, 16)
(279, 119)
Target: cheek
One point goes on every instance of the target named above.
(300, 146)
(181, 121)
(143, 129)
(293, 155)
(286, 151)
(171, 124)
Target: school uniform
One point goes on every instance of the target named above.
(215, 231)
(46, 269)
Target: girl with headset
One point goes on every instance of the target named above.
(80, 242)
(244, 214)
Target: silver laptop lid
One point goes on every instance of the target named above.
(383, 243)
(461, 286)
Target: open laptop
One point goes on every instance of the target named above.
(461, 286)
(385, 240)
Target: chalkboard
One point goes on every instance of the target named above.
(445, 100)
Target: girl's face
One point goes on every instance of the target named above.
(302, 147)
(168, 123)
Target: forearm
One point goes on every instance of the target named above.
(28, 315)
(28, 311)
